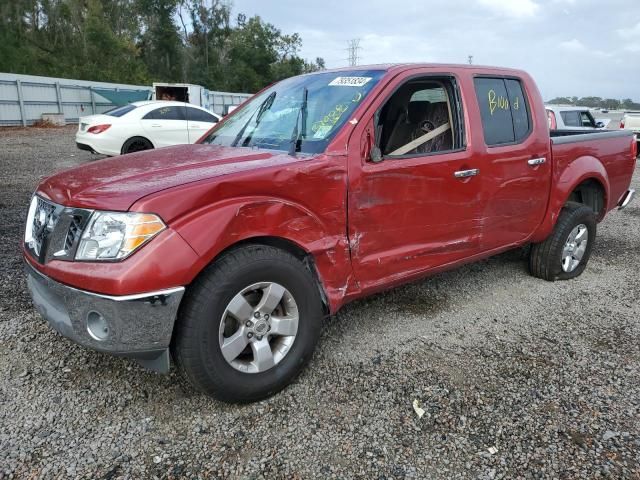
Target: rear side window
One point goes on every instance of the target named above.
(519, 110)
(166, 113)
(571, 119)
(196, 115)
(503, 109)
(120, 111)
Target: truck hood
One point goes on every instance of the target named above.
(117, 183)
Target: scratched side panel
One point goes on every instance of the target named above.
(303, 202)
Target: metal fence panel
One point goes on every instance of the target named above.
(74, 98)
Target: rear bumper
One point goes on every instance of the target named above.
(103, 144)
(84, 146)
(626, 198)
(135, 326)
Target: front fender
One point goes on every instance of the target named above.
(213, 228)
(565, 182)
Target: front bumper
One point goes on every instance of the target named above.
(135, 326)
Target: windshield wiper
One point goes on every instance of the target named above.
(296, 136)
(264, 106)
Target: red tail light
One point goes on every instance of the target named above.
(622, 124)
(551, 120)
(99, 128)
(634, 147)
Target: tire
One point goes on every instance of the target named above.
(205, 324)
(550, 261)
(136, 144)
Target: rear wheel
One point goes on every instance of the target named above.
(565, 253)
(136, 144)
(249, 324)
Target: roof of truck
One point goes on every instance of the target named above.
(398, 67)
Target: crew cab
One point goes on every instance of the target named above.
(224, 256)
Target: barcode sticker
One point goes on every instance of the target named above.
(349, 81)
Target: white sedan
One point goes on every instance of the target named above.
(142, 126)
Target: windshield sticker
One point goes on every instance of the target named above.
(322, 131)
(331, 118)
(349, 81)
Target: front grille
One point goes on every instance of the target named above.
(44, 222)
(53, 231)
(73, 235)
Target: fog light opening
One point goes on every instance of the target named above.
(97, 326)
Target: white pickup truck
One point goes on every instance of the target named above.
(571, 118)
(631, 121)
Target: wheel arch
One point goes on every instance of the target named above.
(288, 246)
(592, 193)
(583, 179)
(321, 245)
(131, 138)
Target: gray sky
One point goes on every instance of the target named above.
(571, 47)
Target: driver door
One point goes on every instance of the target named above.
(415, 212)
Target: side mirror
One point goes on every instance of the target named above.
(376, 154)
(599, 125)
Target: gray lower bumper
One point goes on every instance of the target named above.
(136, 326)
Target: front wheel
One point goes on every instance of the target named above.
(249, 324)
(565, 253)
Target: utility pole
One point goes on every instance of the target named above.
(353, 46)
(470, 59)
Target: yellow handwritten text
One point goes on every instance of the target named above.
(500, 102)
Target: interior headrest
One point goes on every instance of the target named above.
(417, 111)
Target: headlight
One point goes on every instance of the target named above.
(115, 235)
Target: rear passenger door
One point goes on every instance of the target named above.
(516, 163)
(166, 126)
(199, 122)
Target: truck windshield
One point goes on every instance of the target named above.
(271, 119)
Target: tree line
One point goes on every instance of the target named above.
(597, 102)
(141, 41)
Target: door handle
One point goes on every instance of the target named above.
(466, 173)
(156, 125)
(536, 161)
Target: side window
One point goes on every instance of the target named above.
(586, 120)
(196, 115)
(570, 119)
(166, 113)
(495, 110)
(419, 118)
(519, 109)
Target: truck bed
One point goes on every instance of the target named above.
(570, 147)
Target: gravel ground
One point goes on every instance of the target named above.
(518, 378)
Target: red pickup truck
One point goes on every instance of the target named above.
(226, 255)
